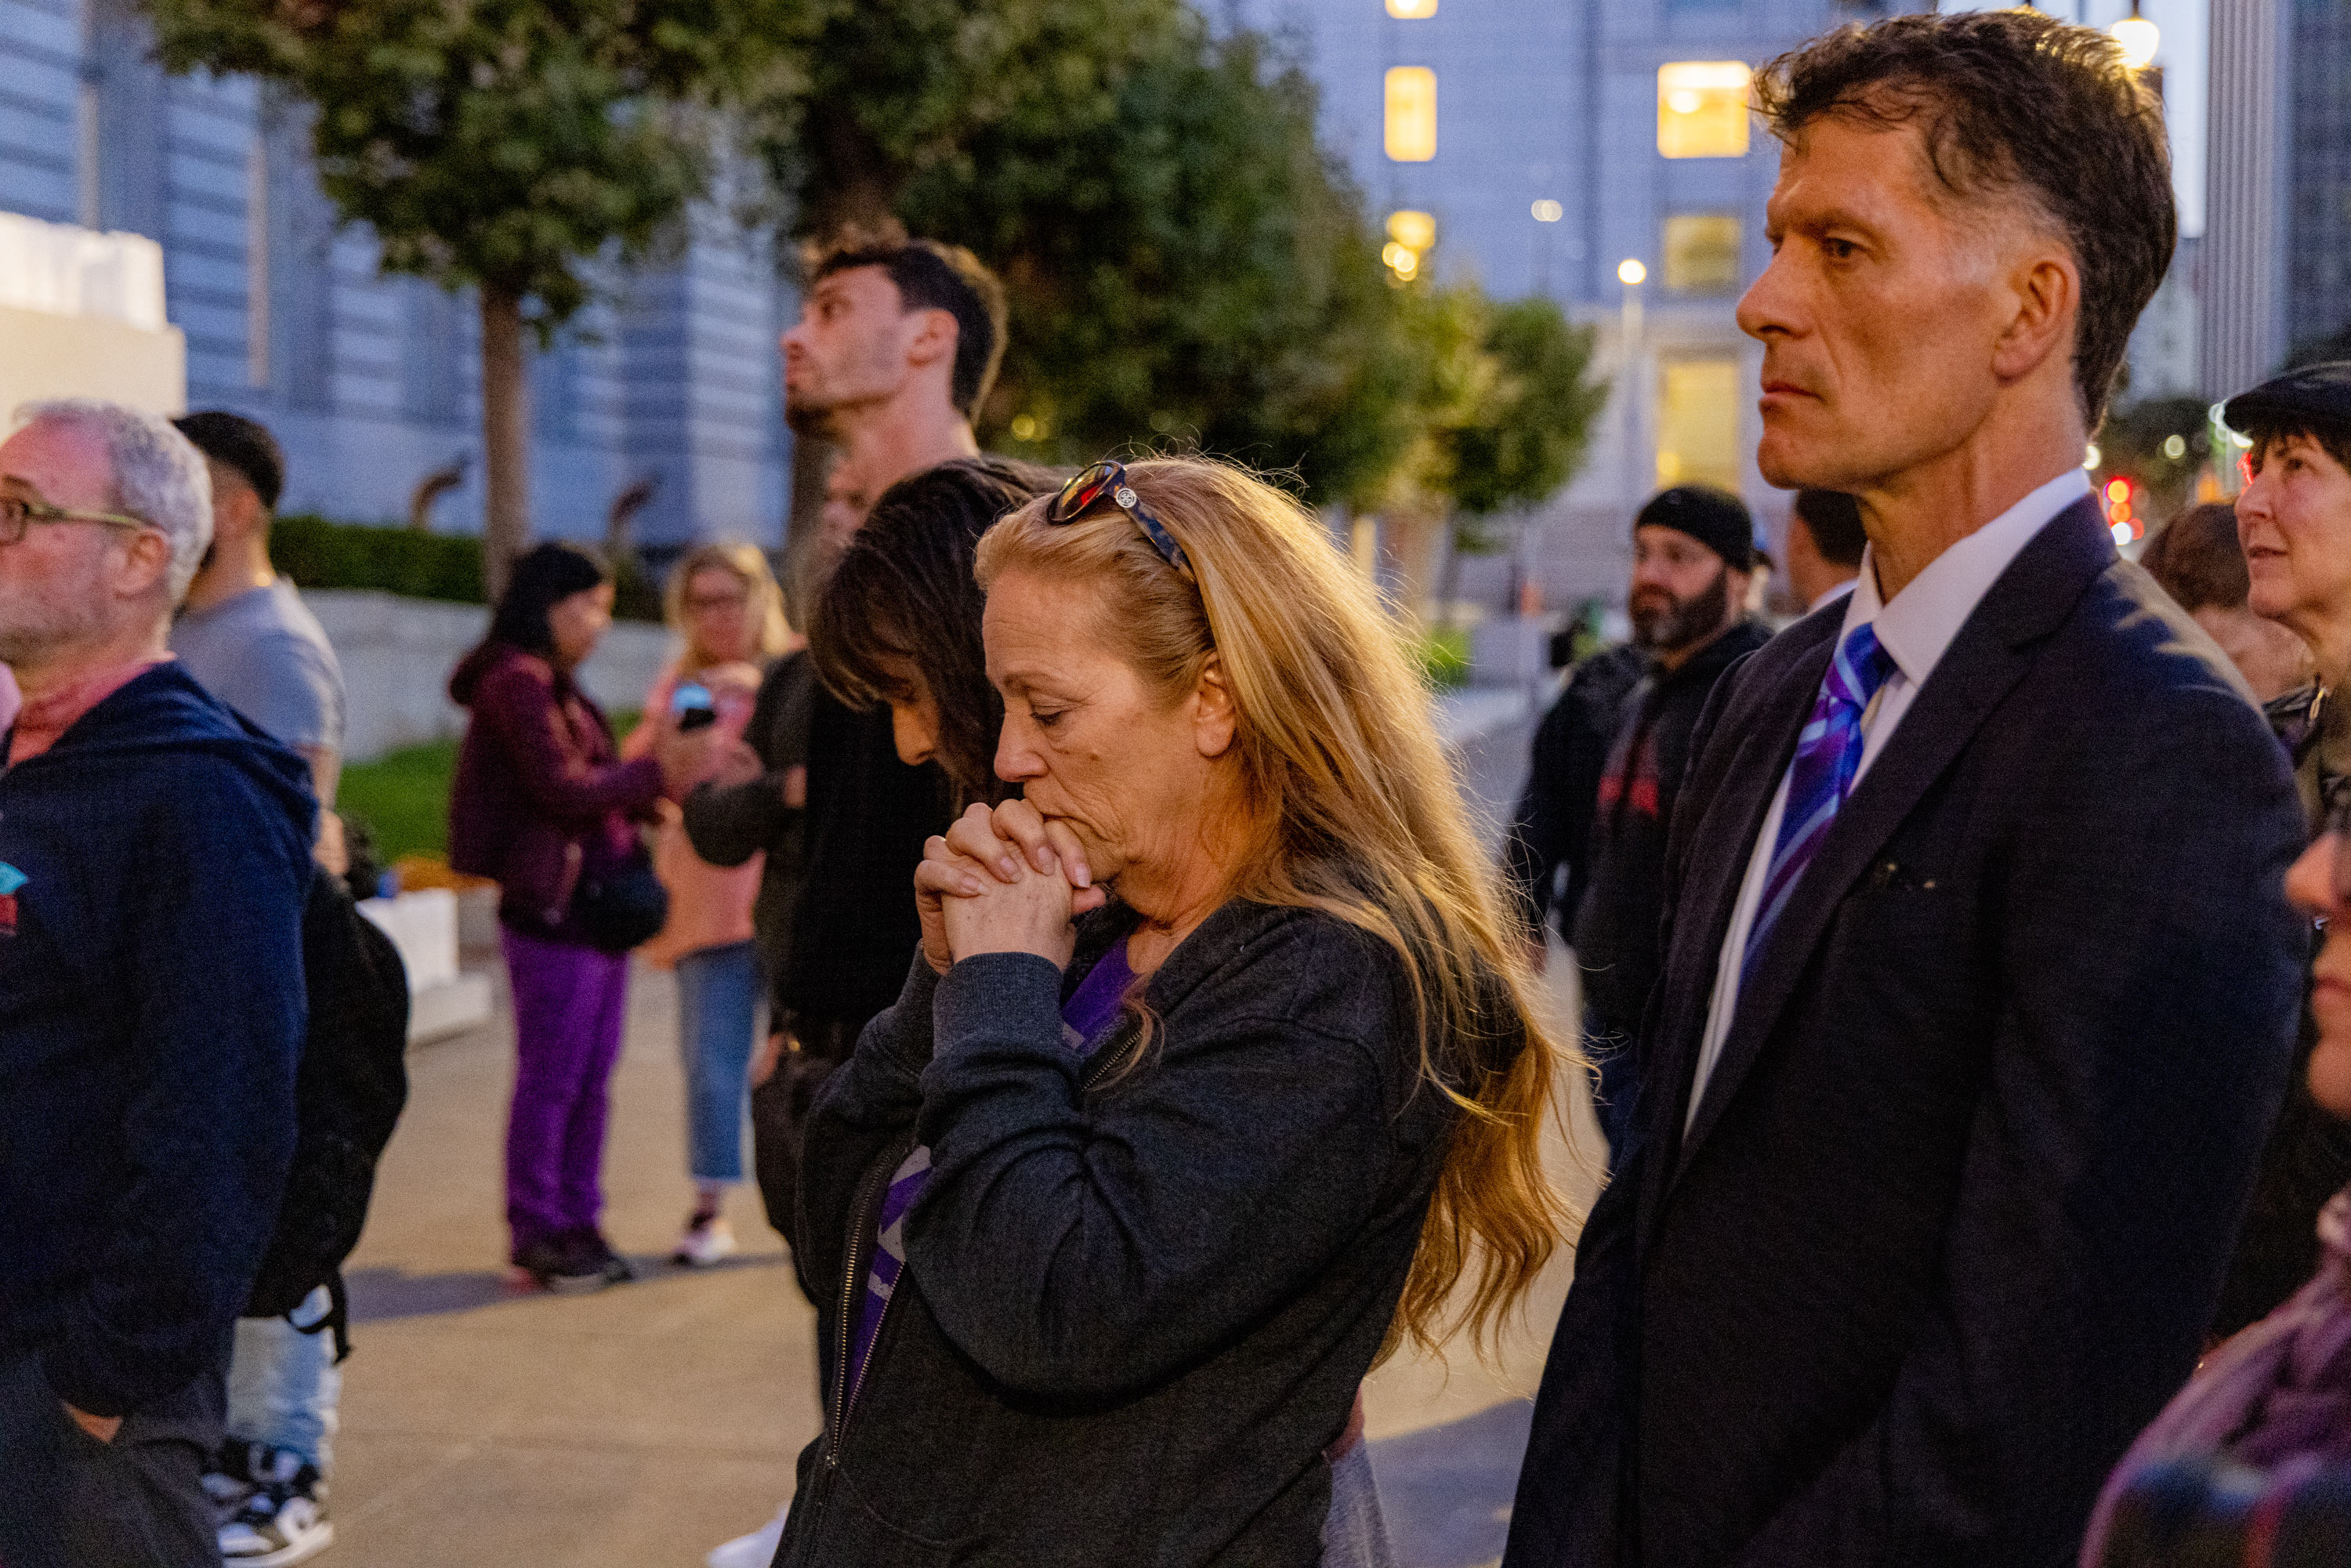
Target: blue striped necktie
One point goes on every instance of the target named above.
(1828, 753)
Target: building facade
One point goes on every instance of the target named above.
(2318, 211)
(373, 383)
(1560, 147)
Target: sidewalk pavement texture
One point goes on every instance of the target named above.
(643, 1425)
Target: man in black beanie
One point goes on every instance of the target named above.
(1693, 549)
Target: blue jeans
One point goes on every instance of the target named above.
(719, 1000)
(283, 1384)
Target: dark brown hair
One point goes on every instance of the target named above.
(2333, 436)
(2195, 558)
(1833, 519)
(903, 602)
(2015, 101)
(929, 275)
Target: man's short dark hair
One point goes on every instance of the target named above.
(933, 277)
(2015, 101)
(240, 444)
(1833, 519)
(2197, 559)
(2333, 436)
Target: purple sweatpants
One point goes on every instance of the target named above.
(569, 1005)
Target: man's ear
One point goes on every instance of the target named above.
(1214, 716)
(934, 339)
(144, 565)
(2046, 284)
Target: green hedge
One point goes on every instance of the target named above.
(318, 553)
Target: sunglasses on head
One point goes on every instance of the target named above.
(1106, 482)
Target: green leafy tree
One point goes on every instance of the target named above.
(1186, 265)
(506, 145)
(1505, 411)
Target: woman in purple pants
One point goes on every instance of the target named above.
(542, 805)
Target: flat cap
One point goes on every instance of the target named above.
(1715, 518)
(2314, 393)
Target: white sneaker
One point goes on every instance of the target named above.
(284, 1520)
(706, 1240)
(756, 1550)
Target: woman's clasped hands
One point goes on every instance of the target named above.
(1005, 880)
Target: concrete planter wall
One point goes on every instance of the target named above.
(397, 653)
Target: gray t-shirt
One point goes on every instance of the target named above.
(265, 654)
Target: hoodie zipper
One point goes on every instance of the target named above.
(862, 1216)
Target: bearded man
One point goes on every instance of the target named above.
(1693, 550)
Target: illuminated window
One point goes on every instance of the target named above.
(1415, 231)
(1412, 10)
(1412, 114)
(1697, 422)
(1701, 254)
(1701, 109)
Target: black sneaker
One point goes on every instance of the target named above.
(284, 1518)
(562, 1266)
(591, 1250)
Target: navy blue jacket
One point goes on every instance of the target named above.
(151, 1011)
(1952, 1215)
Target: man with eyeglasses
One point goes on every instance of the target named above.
(154, 854)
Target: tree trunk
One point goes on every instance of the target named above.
(506, 437)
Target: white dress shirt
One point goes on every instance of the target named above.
(1833, 594)
(1916, 629)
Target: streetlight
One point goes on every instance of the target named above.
(2138, 38)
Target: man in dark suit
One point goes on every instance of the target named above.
(1979, 982)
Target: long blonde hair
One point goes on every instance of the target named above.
(748, 565)
(1366, 825)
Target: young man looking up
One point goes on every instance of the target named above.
(1928, 1209)
(154, 856)
(247, 635)
(896, 346)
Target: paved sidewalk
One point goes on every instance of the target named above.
(639, 1427)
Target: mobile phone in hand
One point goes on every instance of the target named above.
(693, 706)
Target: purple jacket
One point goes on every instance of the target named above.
(541, 795)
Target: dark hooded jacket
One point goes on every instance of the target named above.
(1616, 935)
(1136, 1305)
(541, 796)
(151, 1011)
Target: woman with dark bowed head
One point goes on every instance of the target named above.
(543, 806)
(1213, 1075)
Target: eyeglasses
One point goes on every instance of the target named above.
(1107, 482)
(18, 514)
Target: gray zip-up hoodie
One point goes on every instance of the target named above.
(1136, 1305)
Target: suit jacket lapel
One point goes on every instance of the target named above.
(1984, 661)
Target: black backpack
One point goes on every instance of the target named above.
(348, 1093)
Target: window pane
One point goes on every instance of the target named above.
(1702, 109)
(1701, 253)
(1697, 422)
(1412, 114)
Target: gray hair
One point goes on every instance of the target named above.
(159, 476)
